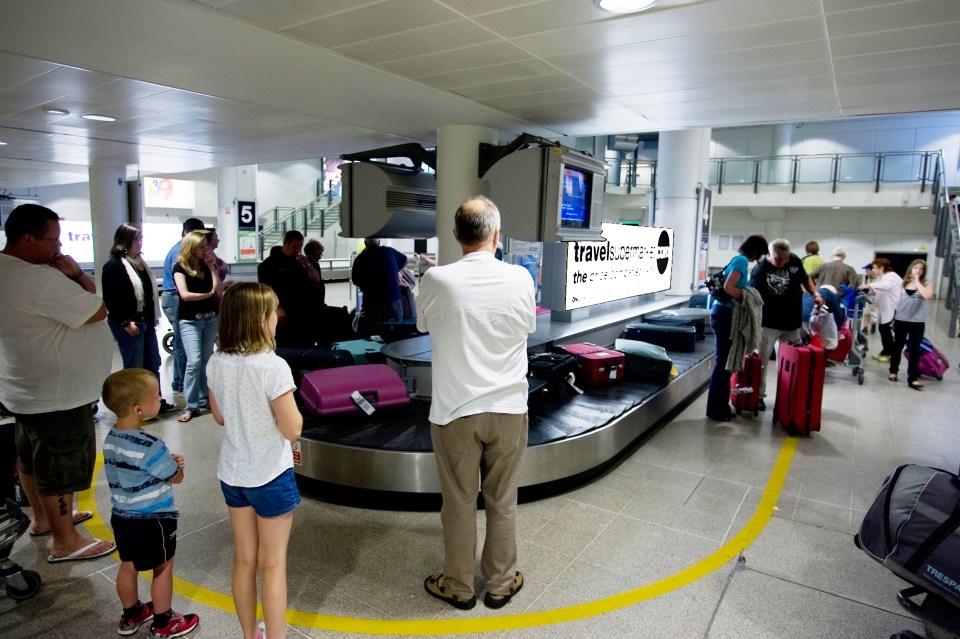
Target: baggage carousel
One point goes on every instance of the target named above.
(569, 437)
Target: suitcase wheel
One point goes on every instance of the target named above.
(939, 378)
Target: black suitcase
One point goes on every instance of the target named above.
(396, 330)
(699, 324)
(672, 338)
(645, 361)
(557, 370)
(304, 360)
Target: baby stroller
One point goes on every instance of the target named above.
(911, 529)
(21, 584)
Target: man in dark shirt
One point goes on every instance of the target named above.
(376, 271)
(292, 278)
(780, 279)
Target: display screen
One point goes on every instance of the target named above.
(575, 198)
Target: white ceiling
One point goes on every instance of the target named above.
(200, 84)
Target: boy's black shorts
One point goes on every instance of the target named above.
(148, 543)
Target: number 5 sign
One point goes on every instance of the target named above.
(248, 216)
(247, 231)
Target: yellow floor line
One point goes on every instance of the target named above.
(725, 553)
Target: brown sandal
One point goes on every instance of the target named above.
(892, 377)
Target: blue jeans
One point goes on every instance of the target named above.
(198, 337)
(140, 351)
(170, 304)
(718, 397)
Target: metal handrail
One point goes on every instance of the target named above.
(300, 218)
(946, 229)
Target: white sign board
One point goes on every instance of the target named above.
(632, 261)
(165, 193)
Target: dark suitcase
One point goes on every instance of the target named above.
(557, 370)
(329, 392)
(745, 385)
(302, 360)
(536, 393)
(396, 330)
(645, 362)
(672, 338)
(800, 388)
(595, 364)
(671, 319)
(911, 528)
(698, 300)
(335, 325)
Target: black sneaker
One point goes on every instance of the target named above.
(166, 407)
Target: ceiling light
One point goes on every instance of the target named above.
(98, 117)
(924, 208)
(55, 111)
(624, 6)
(2, 143)
(836, 208)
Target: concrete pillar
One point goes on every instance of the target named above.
(782, 145)
(683, 166)
(108, 210)
(235, 183)
(457, 161)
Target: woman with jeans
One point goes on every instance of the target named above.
(910, 320)
(198, 286)
(130, 295)
(721, 315)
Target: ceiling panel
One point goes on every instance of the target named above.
(199, 84)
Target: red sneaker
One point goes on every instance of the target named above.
(130, 625)
(178, 625)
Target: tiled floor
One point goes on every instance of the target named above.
(671, 503)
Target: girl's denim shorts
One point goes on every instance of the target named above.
(275, 498)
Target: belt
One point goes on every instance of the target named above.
(201, 316)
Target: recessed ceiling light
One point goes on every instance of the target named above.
(98, 117)
(924, 208)
(55, 111)
(836, 208)
(2, 143)
(624, 6)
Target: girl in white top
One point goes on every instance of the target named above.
(251, 395)
(910, 321)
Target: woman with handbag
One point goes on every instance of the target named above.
(734, 277)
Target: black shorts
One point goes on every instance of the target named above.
(148, 543)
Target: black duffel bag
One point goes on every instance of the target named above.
(911, 528)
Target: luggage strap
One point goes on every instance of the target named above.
(943, 531)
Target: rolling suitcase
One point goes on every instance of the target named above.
(672, 338)
(844, 343)
(645, 362)
(696, 312)
(331, 391)
(800, 388)
(557, 370)
(672, 319)
(933, 363)
(745, 385)
(595, 364)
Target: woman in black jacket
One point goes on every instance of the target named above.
(130, 295)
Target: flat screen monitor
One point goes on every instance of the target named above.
(575, 198)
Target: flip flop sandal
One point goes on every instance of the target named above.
(78, 518)
(187, 415)
(78, 555)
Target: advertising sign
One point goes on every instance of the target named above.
(165, 193)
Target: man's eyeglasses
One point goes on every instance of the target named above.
(49, 239)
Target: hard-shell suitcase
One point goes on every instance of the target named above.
(911, 528)
(645, 362)
(364, 351)
(329, 392)
(800, 388)
(933, 363)
(672, 319)
(745, 385)
(595, 364)
(558, 370)
(672, 338)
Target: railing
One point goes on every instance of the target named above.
(836, 169)
(633, 174)
(946, 228)
(320, 214)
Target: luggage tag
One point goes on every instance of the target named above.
(570, 379)
(360, 401)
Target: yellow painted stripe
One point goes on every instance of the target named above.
(725, 553)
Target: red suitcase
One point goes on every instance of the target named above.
(800, 388)
(595, 364)
(745, 386)
(845, 342)
(329, 392)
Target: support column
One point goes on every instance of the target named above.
(234, 184)
(682, 167)
(458, 152)
(108, 210)
(782, 145)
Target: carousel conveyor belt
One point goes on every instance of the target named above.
(391, 450)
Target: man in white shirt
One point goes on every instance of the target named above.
(55, 352)
(478, 312)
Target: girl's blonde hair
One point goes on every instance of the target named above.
(242, 329)
(923, 276)
(190, 257)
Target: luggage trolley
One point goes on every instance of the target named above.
(21, 584)
(854, 305)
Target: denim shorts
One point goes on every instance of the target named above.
(275, 498)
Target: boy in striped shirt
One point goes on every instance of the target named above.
(141, 472)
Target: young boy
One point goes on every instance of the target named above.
(141, 470)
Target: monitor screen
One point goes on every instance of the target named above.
(575, 198)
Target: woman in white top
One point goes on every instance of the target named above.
(911, 315)
(887, 287)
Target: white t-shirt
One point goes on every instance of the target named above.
(50, 358)
(887, 288)
(478, 312)
(253, 452)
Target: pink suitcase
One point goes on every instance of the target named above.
(595, 364)
(933, 363)
(328, 392)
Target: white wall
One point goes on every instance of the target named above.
(287, 183)
(69, 201)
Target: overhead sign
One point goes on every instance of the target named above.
(631, 261)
